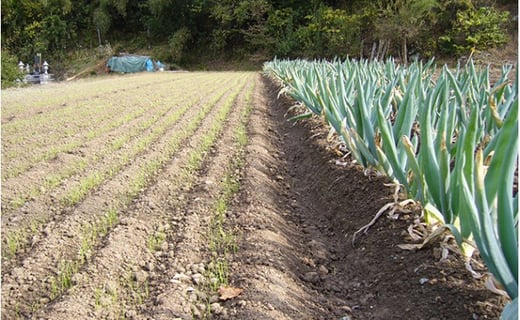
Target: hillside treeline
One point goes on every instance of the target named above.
(261, 28)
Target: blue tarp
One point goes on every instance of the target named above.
(129, 64)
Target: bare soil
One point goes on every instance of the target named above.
(290, 223)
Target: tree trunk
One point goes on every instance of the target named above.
(405, 52)
(386, 47)
(380, 49)
(373, 51)
(361, 49)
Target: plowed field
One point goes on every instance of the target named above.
(139, 196)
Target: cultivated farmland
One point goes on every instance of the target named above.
(138, 196)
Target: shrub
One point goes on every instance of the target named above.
(331, 32)
(178, 42)
(480, 29)
(10, 71)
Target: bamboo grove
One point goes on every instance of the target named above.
(448, 137)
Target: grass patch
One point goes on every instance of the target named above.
(222, 242)
(14, 241)
(138, 288)
(17, 239)
(80, 191)
(156, 240)
(90, 233)
(62, 281)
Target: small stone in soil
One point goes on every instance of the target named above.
(197, 278)
(111, 287)
(195, 312)
(311, 277)
(216, 308)
(323, 270)
(201, 295)
(140, 276)
(164, 246)
(181, 277)
(131, 314)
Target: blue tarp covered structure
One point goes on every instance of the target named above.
(129, 64)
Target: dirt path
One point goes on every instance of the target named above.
(227, 193)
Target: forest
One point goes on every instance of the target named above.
(190, 31)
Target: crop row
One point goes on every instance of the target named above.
(52, 99)
(449, 140)
(72, 192)
(131, 294)
(108, 164)
(188, 165)
(28, 140)
(92, 231)
(126, 129)
(85, 231)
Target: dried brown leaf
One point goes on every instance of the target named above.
(226, 293)
(408, 246)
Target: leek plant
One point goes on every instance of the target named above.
(451, 141)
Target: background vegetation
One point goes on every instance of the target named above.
(193, 32)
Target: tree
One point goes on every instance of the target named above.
(281, 39)
(401, 20)
(30, 26)
(480, 29)
(238, 23)
(331, 32)
(10, 71)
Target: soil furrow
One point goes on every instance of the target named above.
(66, 233)
(67, 133)
(36, 210)
(268, 244)
(79, 162)
(156, 213)
(189, 269)
(53, 97)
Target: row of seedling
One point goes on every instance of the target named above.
(78, 165)
(96, 178)
(221, 240)
(91, 233)
(193, 162)
(46, 99)
(90, 182)
(113, 119)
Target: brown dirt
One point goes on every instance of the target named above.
(26, 278)
(292, 218)
(297, 213)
